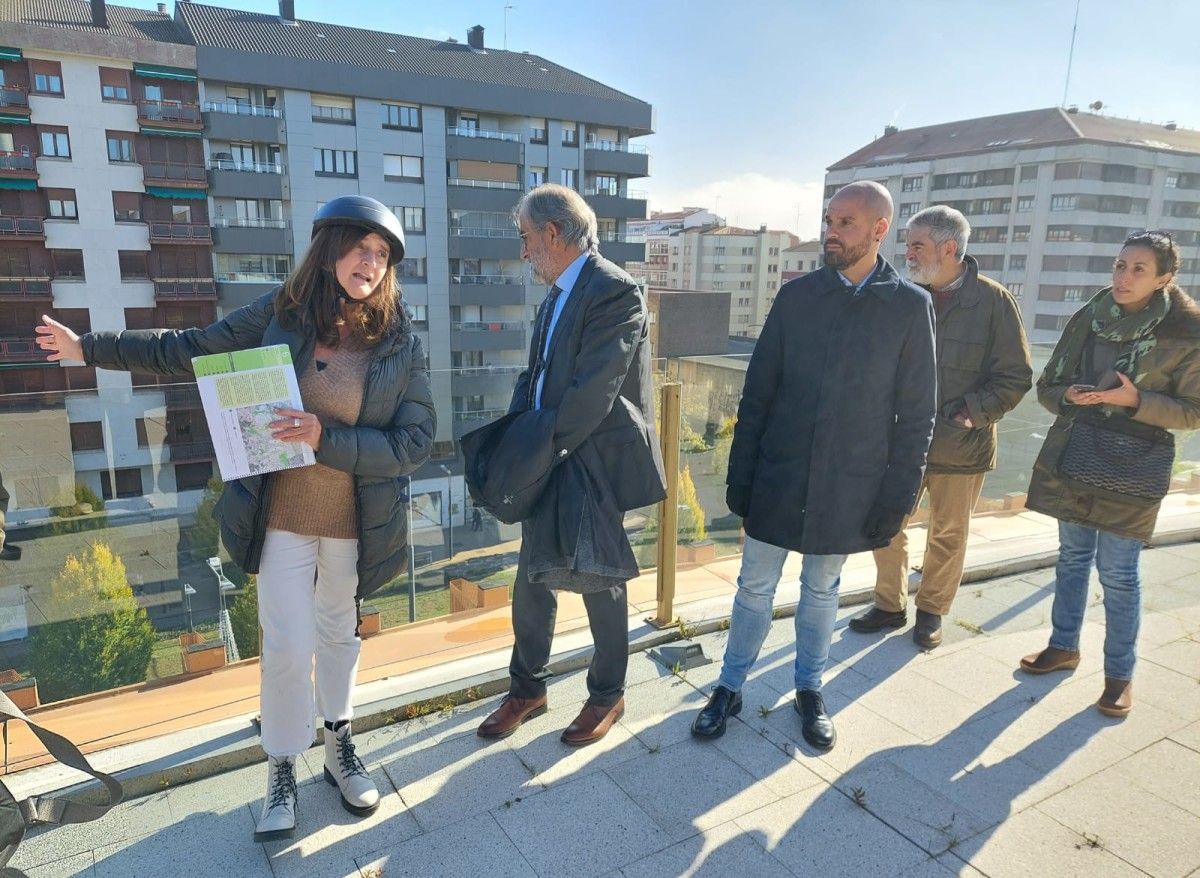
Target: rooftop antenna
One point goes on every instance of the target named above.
(506, 8)
(1071, 54)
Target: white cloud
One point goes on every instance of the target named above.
(749, 200)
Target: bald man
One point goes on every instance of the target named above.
(830, 443)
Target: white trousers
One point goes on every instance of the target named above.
(307, 610)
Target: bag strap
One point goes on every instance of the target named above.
(47, 809)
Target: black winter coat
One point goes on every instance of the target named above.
(393, 435)
(837, 410)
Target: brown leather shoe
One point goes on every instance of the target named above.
(1117, 698)
(510, 714)
(1050, 659)
(593, 723)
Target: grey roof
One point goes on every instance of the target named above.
(123, 21)
(1029, 128)
(259, 33)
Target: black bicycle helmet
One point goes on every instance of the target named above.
(366, 212)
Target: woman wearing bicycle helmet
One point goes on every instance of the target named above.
(320, 537)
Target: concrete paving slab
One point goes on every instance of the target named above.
(1189, 736)
(474, 846)
(222, 843)
(1169, 770)
(768, 758)
(579, 830)
(719, 852)
(553, 762)
(129, 820)
(1181, 656)
(78, 866)
(919, 705)
(663, 711)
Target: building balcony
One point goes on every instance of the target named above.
(495, 382)
(465, 422)
(180, 115)
(180, 233)
(476, 289)
(25, 289)
(484, 247)
(495, 336)
(22, 228)
(14, 100)
(234, 235)
(185, 289)
(626, 159)
(184, 452)
(229, 120)
(611, 202)
(484, 146)
(20, 350)
(18, 165)
(229, 178)
(171, 174)
(622, 248)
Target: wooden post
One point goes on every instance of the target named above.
(668, 510)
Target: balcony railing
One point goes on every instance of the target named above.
(466, 131)
(236, 108)
(478, 232)
(481, 326)
(249, 222)
(173, 112)
(182, 451)
(20, 350)
(482, 415)
(621, 238)
(486, 279)
(166, 233)
(251, 277)
(246, 166)
(25, 288)
(484, 184)
(25, 227)
(614, 146)
(20, 161)
(183, 288)
(615, 192)
(14, 97)
(169, 172)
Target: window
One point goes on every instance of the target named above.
(570, 135)
(1025, 204)
(908, 208)
(1062, 202)
(193, 476)
(1020, 234)
(55, 142)
(127, 206)
(1050, 321)
(60, 204)
(606, 184)
(335, 162)
(1017, 261)
(1172, 181)
(570, 178)
(129, 483)
(120, 147)
(134, 264)
(537, 131)
(403, 167)
(413, 219)
(989, 234)
(114, 84)
(911, 184)
(87, 436)
(411, 268)
(1029, 172)
(47, 77)
(333, 108)
(419, 315)
(1017, 290)
(68, 264)
(1072, 294)
(406, 116)
(537, 176)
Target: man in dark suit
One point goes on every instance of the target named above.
(589, 369)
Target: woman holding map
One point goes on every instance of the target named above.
(319, 537)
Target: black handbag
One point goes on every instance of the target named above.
(1120, 457)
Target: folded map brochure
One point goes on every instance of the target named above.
(240, 392)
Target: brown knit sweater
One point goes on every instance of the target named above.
(318, 501)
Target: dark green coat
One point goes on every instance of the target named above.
(1170, 398)
(983, 366)
(393, 436)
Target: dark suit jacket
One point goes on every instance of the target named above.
(597, 383)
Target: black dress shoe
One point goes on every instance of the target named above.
(722, 704)
(927, 633)
(876, 619)
(815, 723)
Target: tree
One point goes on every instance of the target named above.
(205, 535)
(691, 514)
(95, 636)
(243, 617)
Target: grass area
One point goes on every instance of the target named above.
(167, 658)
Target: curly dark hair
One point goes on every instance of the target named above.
(1166, 252)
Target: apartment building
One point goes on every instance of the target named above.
(656, 231)
(1050, 195)
(801, 259)
(198, 149)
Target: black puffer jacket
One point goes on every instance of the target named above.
(393, 436)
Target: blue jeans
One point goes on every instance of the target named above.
(1117, 561)
(762, 565)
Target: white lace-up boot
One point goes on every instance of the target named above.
(278, 818)
(346, 771)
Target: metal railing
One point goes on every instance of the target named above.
(615, 192)
(621, 238)
(251, 277)
(22, 227)
(169, 111)
(465, 131)
(484, 184)
(185, 288)
(25, 288)
(164, 231)
(615, 146)
(174, 173)
(480, 415)
(19, 160)
(253, 167)
(14, 96)
(487, 279)
(235, 108)
(19, 350)
(488, 326)
(249, 222)
(479, 232)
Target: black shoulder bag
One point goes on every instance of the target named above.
(1119, 457)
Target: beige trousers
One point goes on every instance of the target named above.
(951, 501)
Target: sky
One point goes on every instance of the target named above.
(753, 100)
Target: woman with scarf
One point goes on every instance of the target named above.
(1126, 371)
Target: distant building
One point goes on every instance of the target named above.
(687, 323)
(800, 260)
(1050, 194)
(656, 231)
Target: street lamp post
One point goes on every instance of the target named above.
(412, 557)
(225, 626)
(188, 591)
(449, 506)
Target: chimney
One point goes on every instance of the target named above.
(475, 37)
(162, 8)
(287, 10)
(1170, 126)
(890, 129)
(1074, 108)
(99, 14)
